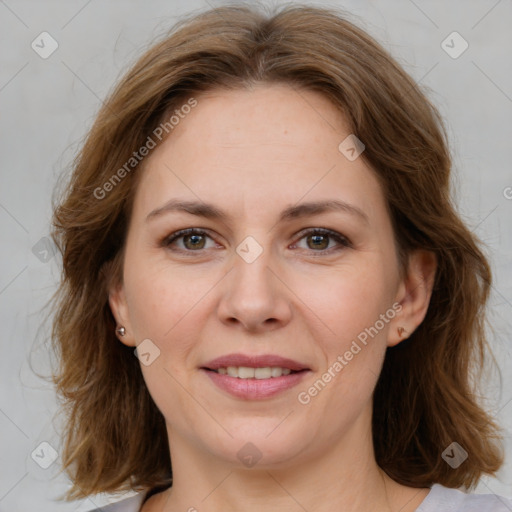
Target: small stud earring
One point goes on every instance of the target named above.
(401, 330)
(121, 331)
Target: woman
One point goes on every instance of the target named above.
(261, 214)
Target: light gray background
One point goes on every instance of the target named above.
(47, 105)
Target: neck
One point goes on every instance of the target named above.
(345, 476)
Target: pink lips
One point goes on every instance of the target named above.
(254, 389)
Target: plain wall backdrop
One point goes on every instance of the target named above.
(48, 102)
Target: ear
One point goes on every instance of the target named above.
(413, 295)
(119, 308)
(112, 273)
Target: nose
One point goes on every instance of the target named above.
(254, 295)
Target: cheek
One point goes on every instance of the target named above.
(351, 335)
(162, 297)
(164, 309)
(347, 299)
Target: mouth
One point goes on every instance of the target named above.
(254, 377)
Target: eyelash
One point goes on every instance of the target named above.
(342, 240)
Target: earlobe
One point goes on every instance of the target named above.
(414, 295)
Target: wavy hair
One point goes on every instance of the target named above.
(115, 437)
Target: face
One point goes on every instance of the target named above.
(317, 286)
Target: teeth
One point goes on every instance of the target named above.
(276, 372)
(232, 371)
(262, 373)
(244, 372)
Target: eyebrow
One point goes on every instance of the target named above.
(210, 211)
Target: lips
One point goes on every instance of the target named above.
(261, 361)
(235, 374)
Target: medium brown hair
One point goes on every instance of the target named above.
(115, 437)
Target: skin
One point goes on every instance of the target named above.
(252, 153)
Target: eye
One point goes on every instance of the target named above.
(193, 239)
(318, 240)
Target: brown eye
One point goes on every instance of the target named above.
(318, 240)
(191, 239)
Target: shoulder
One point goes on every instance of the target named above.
(445, 499)
(131, 504)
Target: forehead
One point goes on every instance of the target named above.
(269, 146)
(271, 115)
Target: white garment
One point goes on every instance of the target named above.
(445, 499)
(439, 499)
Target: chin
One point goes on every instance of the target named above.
(260, 444)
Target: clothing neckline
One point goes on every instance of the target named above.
(429, 499)
(431, 495)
